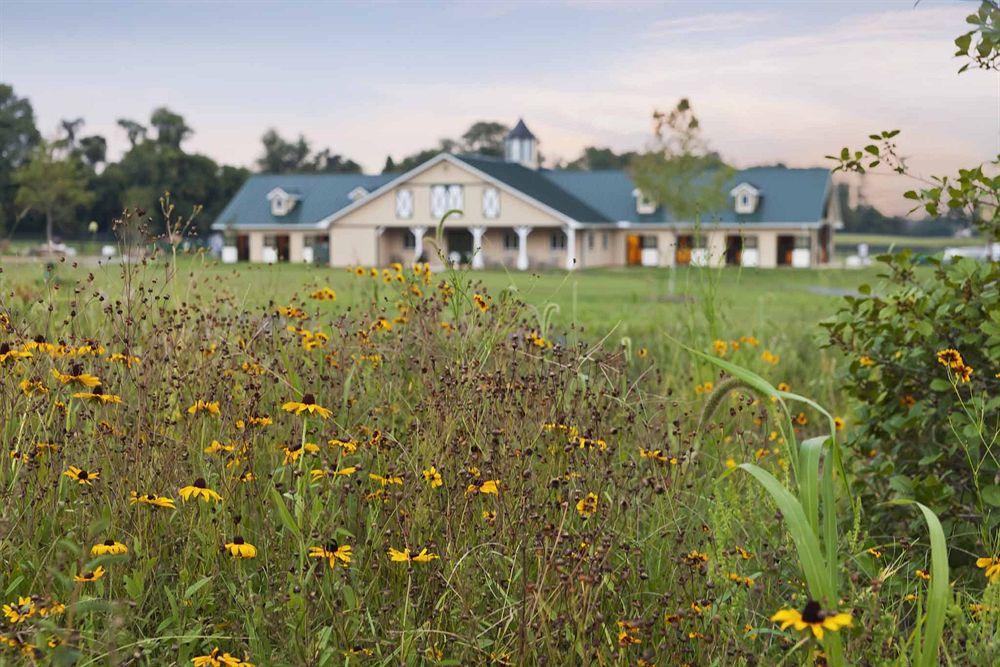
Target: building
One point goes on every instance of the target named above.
(511, 212)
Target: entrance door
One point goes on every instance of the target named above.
(243, 248)
(282, 241)
(459, 244)
(633, 250)
(734, 250)
(684, 244)
(786, 245)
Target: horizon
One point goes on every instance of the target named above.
(771, 83)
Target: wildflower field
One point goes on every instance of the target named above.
(212, 465)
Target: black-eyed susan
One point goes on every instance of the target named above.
(324, 294)
(82, 476)
(199, 490)
(484, 486)
(20, 611)
(695, 559)
(92, 575)
(349, 446)
(720, 347)
(489, 516)
(923, 575)
(97, 395)
(127, 359)
(152, 500)
(990, 567)
(33, 387)
(307, 405)
(77, 377)
(628, 633)
(433, 477)
(406, 556)
(8, 353)
(240, 548)
(481, 302)
(951, 358)
(814, 619)
(964, 373)
(387, 479)
(586, 507)
(336, 555)
(653, 455)
(217, 658)
(770, 358)
(838, 423)
(108, 548)
(215, 447)
(199, 406)
(294, 452)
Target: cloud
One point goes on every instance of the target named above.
(702, 23)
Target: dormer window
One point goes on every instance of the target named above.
(357, 193)
(745, 198)
(643, 205)
(282, 202)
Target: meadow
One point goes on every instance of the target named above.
(233, 465)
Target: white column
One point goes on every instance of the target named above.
(478, 261)
(522, 247)
(418, 246)
(570, 247)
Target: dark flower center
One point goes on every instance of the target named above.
(97, 391)
(150, 496)
(309, 399)
(200, 483)
(238, 540)
(5, 348)
(76, 369)
(39, 338)
(82, 474)
(109, 543)
(813, 613)
(296, 447)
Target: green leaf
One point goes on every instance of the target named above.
(991, 495)
(196, 586)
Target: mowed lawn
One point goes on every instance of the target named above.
(635, 302)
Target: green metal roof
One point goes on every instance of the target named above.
(786, 195)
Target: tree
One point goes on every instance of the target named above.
(679, 172)
(594, 158)
(70, 128)
(18, 135)
(171, 129)
(51, 186)
(485, 138)
(328, 162)
(136, 132)
(281, 156)
(390, 166)
(93, 150)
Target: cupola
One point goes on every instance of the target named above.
(521, 146)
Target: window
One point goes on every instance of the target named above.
(445, 198)
(404, 203)
(745, 197)
(509, 241)
(557, 241)
(604, 240)
(409, 240)
(456, 200)
(590, 240)
(643, 205)
(802, 243)
(648, 242)
(749, 242)
(491, 203)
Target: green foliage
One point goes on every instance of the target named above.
(679, 173)
(52, 186)
(18, 136)
(921, 429)
(981, 45)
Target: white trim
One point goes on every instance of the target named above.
(447, 157)
(357, 193)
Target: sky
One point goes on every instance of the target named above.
(770, 81)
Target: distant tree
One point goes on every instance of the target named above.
(418, 158)
(93, 150)
(70, 128)
(328, 162)
(136, 132)
(171, 129)
(679, 172)
(18, 135)
(390, 166)
(281, 156)
(593, 158)
(52, 187)
(485, 138)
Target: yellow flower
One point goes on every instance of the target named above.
(211, 407)
(20, 611)
(653, 455)
(964, 373)
(8, 352)
(838, 423)
(481, 302)
(991, 568)
(214, 659)
(152, 500)
(128, 360)
(628, 633)
(82, 476)
(215, 447)
(487, 487)
(489, 516)
(108, 548)
(293, 453)
(587, 506)
(324, 294)
(433, 477)
(77, 376)
(730, 463)
(335, 554)
(865, 360)
(199, 490)
(720, 347)
(308, 404)
(98, 396)
(239, 548)
(33, 387)
(405, 556)
(923, 574)
(951, 358)
(93, 575)
(813, 618)
(769, 358)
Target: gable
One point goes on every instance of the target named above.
(440, 184)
